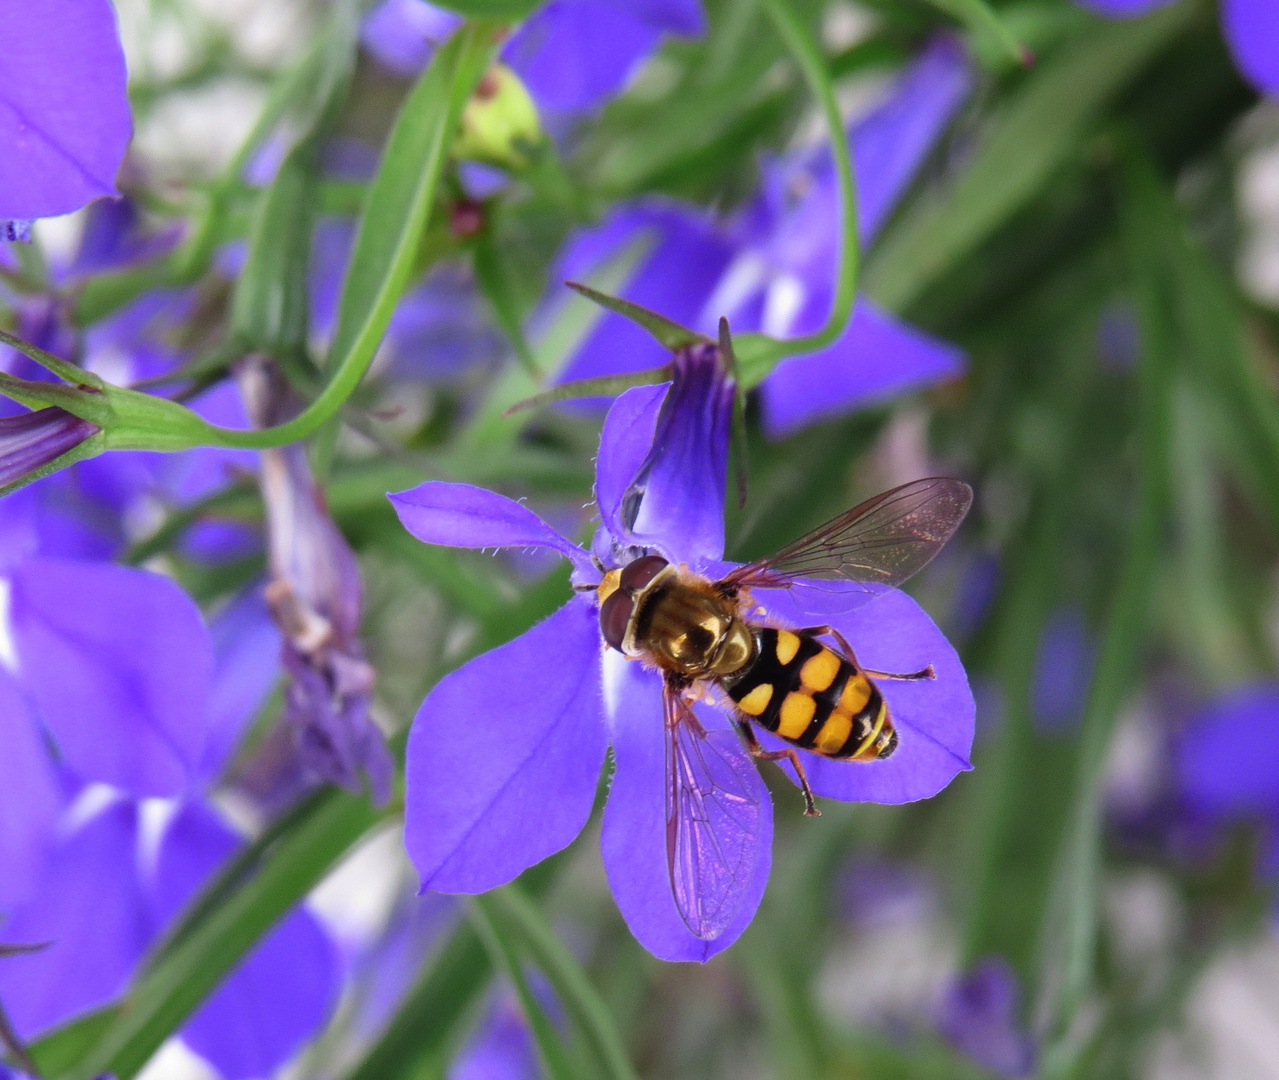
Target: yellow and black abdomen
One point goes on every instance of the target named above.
(812, 697)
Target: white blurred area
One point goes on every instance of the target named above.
(1231, 1029)
(1258, 204)
(197, 123)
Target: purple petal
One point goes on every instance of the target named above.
(504, 756)
(891, 141)
(502, 1049)
(683, 481)
(64, 116)
(1252, 32)
(1227, 761)
(403, 34)
(978, 1015)
(634, 835)
(119, 662)
(1063, 670)
(574, 54)
(32, 439)
(279, 995)
(1124, 9)
(934, 717)
(625, 442)
(684, 17)
(876, 357)
(90, 905)
(460, 515)
(19, 516)
(30, 798)
(676, 278)
(246, 649)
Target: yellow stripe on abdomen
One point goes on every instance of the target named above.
(834, 733)
(855, 695)
(819, 671)
(796, 714)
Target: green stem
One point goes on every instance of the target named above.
(808, 56)
(571, 984)
(452, 76)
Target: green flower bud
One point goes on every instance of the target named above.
(500, 125)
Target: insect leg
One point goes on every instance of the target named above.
(926, 673)
(758, 752)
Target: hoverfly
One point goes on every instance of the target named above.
(803, 685)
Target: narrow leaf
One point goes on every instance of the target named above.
(498, 939)
(599, 386)
(572, 987)
(669, 334)
(980, 18)
(1041, 127)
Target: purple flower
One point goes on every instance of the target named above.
(1251, 29)
(1227, 762)
(64, 116)
(314, 596)
(978, 1014)
(502, 1048)
(773, 267)
(571, 54)
(1063, 670)
(113, 669)
(32, 440)
(486, 800)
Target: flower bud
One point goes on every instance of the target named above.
(500, 123)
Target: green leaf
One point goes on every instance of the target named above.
(981, 19)
(182, 977)
(669, 334)
(58, 1051)
(1041, 127)
(495, 283)
(490, 9)
(1068, 940)
(599, 386)
(498, 939)
(737, 433)
(565, 974)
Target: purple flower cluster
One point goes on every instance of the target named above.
(772, 267)
(504, 756)
(117, 713)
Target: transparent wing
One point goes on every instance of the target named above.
(714, 818)
(881, 542)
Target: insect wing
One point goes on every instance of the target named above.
(881, 542)
(714, 819)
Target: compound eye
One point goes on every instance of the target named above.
(615, 617)
(637, 574)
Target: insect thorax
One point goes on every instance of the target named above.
(689, 628)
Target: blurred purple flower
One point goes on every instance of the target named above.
(553, 699)
(1227, 762)
(501, 1049)
(314, 596)
(65, 843)
(1063, 670)
(978, 1014)
(773, 267)
(441, 329)
(571, 54)
(64, 115)
(1250, 27)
